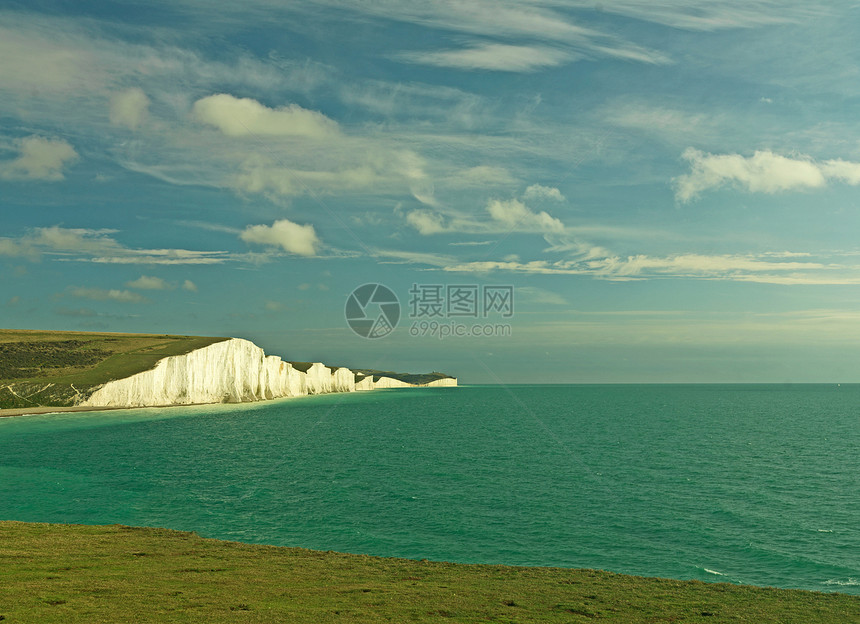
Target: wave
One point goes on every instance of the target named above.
(850, 582)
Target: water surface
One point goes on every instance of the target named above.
(754, 484)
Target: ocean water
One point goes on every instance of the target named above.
(756, 484)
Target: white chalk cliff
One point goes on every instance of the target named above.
(232, 371)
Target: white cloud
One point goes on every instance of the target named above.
(506, 216)
(189, 286)
(147, 282)
(129, 108)
(39, 159)
(516, 215)
(492, 56)
(537, 191)
(292, 237)
(244, 116)
(100, 294)
(763, 172)
(843, 171)
(471, 243)
(426, 222)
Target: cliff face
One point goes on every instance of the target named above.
(364, 383)
(447, 382)
(388, 382)
(232, 371)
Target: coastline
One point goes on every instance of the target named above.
(30, 411)
(36, 410)
(225, 370)
(41, 410)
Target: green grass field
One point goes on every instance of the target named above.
(50, 368)
(73, 573)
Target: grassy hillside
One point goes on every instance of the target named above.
(51, 368)
(68, 573)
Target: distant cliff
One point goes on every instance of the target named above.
(236, 371)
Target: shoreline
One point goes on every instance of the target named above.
(32, 411)
(37, 410)
(42, 410)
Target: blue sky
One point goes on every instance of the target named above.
(670, 188)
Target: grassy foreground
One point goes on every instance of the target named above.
(72, 573)
(53, 368)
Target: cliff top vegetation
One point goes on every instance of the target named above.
(65, 361)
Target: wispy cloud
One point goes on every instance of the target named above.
(492, 56)
(532, 294)
(164, 257)
(101, 294)
(702, 15)
(519, 36)
(786, 268)
(667, 123)
(395, 256)
(129, 108)
(89, 245)
(505, 216)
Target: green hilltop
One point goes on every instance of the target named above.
(52, 368)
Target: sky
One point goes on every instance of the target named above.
(629, 191)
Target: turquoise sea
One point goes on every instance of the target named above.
(756, 484)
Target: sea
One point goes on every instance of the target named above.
(752, 484)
